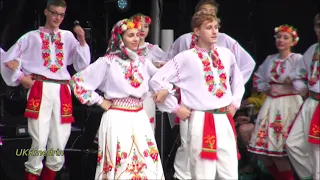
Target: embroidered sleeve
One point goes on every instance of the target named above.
(85, 82)
(78, 55)
(244, 61)
(237, 85)
(299, 75)
(12, 77)
(260, 77)
(165, 78)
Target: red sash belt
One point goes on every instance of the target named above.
(35, 98)
(209, 140)
(314, 130)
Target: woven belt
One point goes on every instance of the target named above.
(223, 110)
(45, 79)
(315, 96)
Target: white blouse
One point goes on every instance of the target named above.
(47, 54)
(115, 77)
(275, 70)
(202, 85)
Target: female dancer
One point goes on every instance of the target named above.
(281, 105)
(127, 148)
(153, 53)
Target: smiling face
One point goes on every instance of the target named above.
(131, 39)
(284, 40)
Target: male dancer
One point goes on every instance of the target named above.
(244, 61)
(303, 143)
(43, 56)
(203, 75)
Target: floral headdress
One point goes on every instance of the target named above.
(141, 17)
(289, 29)
(116, 45)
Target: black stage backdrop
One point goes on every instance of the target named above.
(250, 22)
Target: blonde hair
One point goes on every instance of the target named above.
(200, 17)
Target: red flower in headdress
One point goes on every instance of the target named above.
(148, 20)
(137, 19)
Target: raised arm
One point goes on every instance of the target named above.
(85, 82)
(79, 55)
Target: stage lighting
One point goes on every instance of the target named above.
(123, 4)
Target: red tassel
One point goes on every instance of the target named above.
(66, 104)
(209, 139)
(34, 101)
(314, 131)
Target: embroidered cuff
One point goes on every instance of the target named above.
(176, 108)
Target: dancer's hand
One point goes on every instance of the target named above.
(183, 113)
(160, 96)
(304, 93)
(243, 119)
(106, 104)
(80, 35)
(287, 81)
(13, 64)
(158, 64)
(27, 81)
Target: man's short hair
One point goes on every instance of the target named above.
(59, 3)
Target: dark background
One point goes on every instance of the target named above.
(250, 22)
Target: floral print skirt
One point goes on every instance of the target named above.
(271, 129)
(127, 147)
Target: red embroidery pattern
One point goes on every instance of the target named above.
(193, 40)
(132, 72)
(34, 105)
(277, 126)
(120, 155)
(275, 71)
(152, 152)
(262, 137)
(66, 110)
(217, 89)
(144, 50)
(136, 167)
(315, 67)
(46, 52)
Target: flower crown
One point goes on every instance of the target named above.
(128, 24)
(289, 29)
(141, 17)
